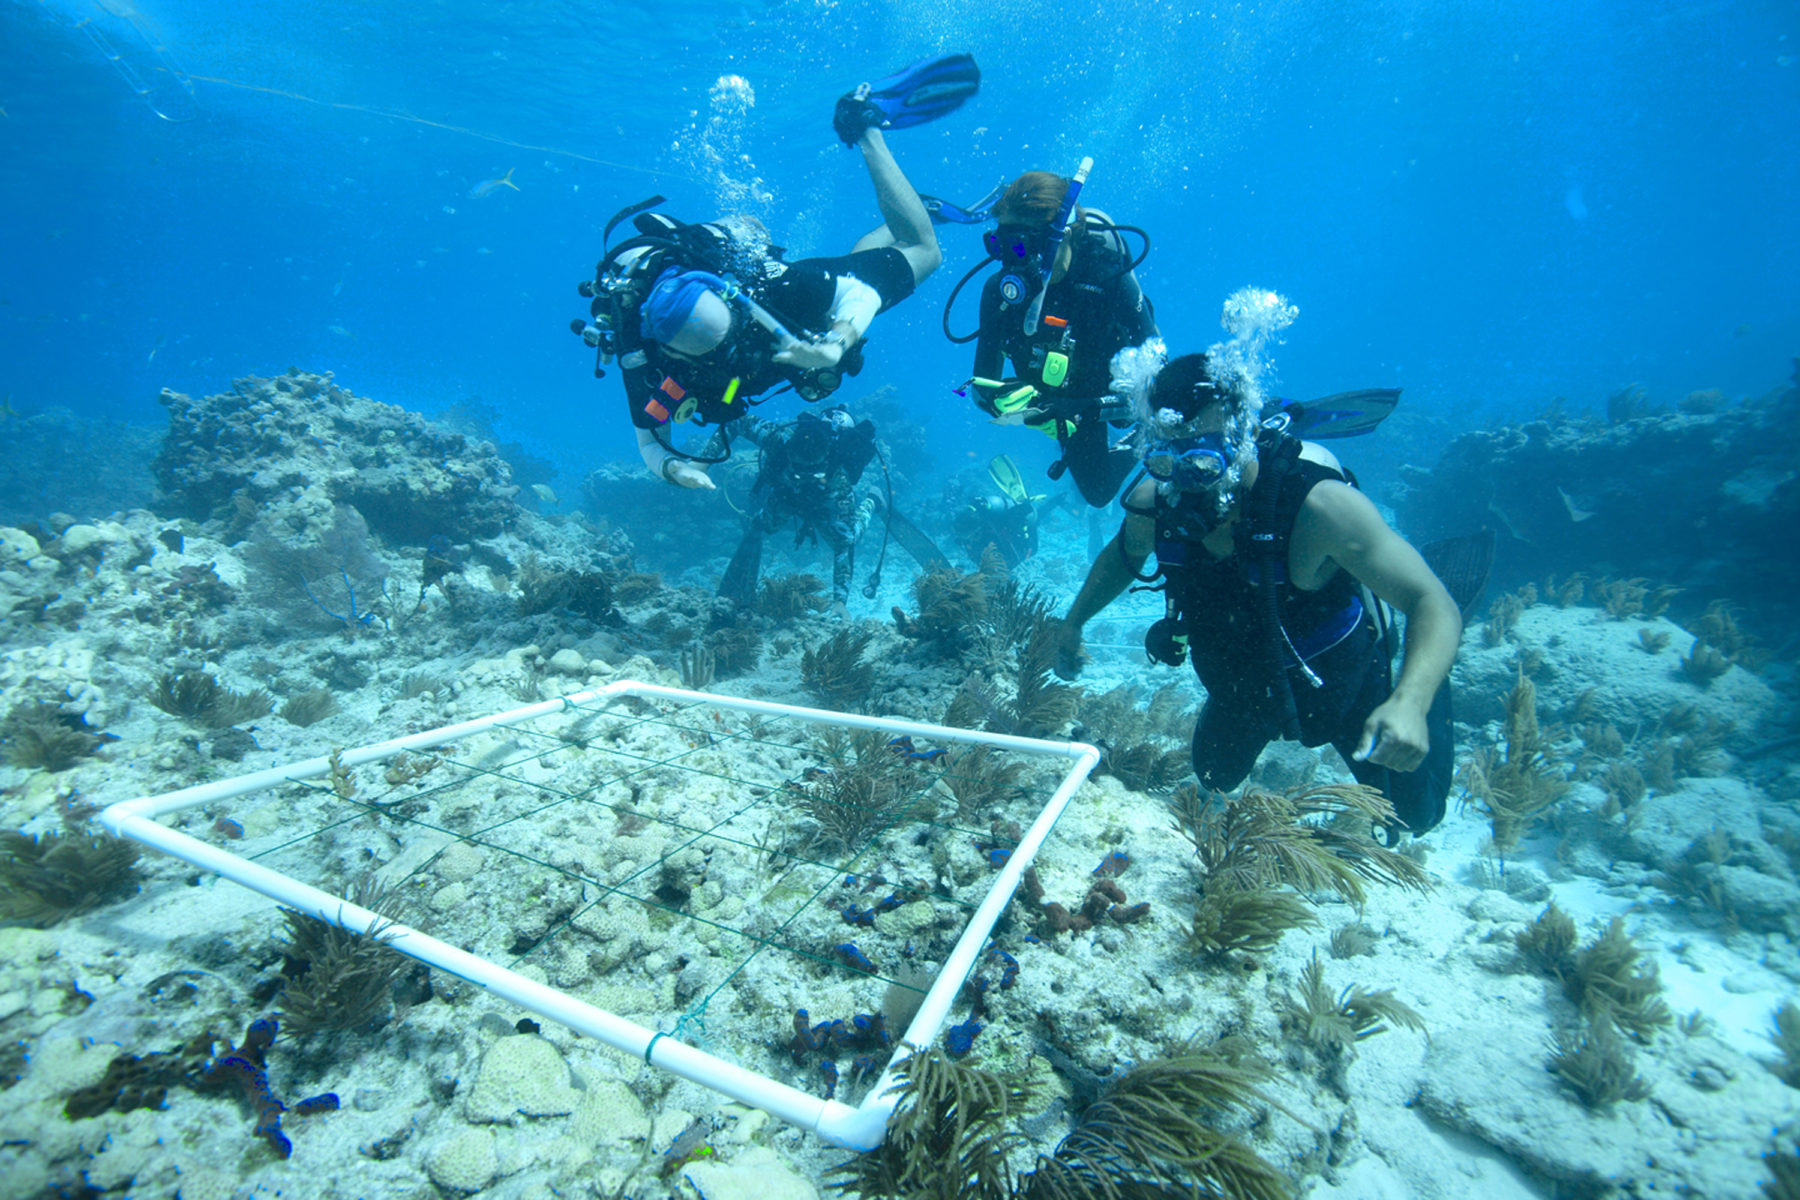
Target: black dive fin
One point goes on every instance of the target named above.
(1462, 563)
(739, 581)
(913, 540)
(1345, 414)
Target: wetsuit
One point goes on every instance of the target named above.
(1009, 526)
(1095, 310)
(801, 295)
(817, 491)
(1223, 609)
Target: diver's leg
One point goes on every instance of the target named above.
(1098, 468)
(906, 226)
(1228, 739)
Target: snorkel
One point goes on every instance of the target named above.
(1059, 231)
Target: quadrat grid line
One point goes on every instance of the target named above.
(718, 862)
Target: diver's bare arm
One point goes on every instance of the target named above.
(1114, 571)
(1363, 544)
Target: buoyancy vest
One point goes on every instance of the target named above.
(1223, 605)
(1088, 317)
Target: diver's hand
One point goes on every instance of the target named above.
(812, 356)
(1058, 408)
(1068, 653)
(1394, 736)
(687, 475)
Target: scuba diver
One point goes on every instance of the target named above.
(707, 320)
(809, 471)
(1008, 522)
(1264, 548)
(1065, 301)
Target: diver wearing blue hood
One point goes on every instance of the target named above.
(1265, 547)
(708, 320)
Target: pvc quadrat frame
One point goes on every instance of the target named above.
(861, 1127)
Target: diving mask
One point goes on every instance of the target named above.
(1190, 464)
(1011, 245)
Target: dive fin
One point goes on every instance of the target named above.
(739, 581)
(913, 540)
(942, 212)
(1007, 478)
(925, 90)
(1462, 564)
(1344, 414)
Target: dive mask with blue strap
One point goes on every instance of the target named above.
(1189, 464)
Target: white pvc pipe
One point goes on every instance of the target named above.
(871, 1120)
(857, 1128)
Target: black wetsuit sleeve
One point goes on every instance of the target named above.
(1140, 316)
(640, 384)
(990, 347)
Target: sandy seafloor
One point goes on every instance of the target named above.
(451, 1100)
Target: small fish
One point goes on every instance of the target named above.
(923, 756)
(542, 492)
(488, 187)
(159, 345)
(1576, 513)
(340, 331)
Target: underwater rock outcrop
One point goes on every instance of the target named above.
(271, 440)
(1704, 495)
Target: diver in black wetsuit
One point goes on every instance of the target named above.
(809, 474)
(1265, 548)
(707, 319)
(1061, 306)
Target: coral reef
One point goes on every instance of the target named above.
(1144, 746)
(950, 605)
(338, 980)
(949, 1138)
(1786, 1036)
(1611, 980)
(1548, 943)
(1569, 494)
(1517, 785)
(980, 777)
(312, 706)
(543, 589)
(199, 697)
(1334, 1023)
(267, 442)
(1594, 1063)
(786, 597)
(1149, 1136)
(866, 789)
(835, 671)
(45, 879)
(132, 1082)
(41, 736)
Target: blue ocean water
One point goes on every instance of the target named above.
(1490, 205)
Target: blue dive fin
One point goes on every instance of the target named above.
(1345, 414)
(945, 213)
(925, 90)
